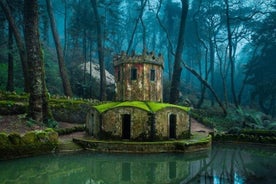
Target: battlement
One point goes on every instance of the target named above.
(146, 57)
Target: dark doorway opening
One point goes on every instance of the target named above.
(126, 126)
(172, 126)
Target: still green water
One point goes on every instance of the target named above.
(222, 164)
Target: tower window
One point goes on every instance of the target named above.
(152, 75)
(133, 74)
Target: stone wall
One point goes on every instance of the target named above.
(182, 123)
(144, 125)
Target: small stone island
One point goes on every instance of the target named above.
(138, 121)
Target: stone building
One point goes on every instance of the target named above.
(139, 77)
(138, 113)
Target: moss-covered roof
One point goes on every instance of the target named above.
(147, 106)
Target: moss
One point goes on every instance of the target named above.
(53, 137)
(11, 107)
(154, 106)
(15, 138)
(64, 131)
(4, 140)
(29, 138)
(32, 143)
(42, 136)
(147, 106)
(103, 107)
(258, 132)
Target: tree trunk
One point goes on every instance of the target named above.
(37, 102)
(19, 43)
(143, 4)
(10, 84)
(212, 67)
(62, 69)
(100, 51)
(175, 84)
(230, 54)
(204, 82)
(65, 28)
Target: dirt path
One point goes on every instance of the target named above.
(198, 127)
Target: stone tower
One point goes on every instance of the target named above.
(139, 77)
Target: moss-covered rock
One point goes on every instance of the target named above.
(15, 139)
(29, 138)
(4, 140)
(32, 143)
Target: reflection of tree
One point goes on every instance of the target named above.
(222, 167)
(203, 167)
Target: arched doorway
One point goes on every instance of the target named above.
(172, 126)
(126, 118)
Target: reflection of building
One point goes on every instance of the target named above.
(138, 114)
(136, 171)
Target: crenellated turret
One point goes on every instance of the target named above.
(139, 77)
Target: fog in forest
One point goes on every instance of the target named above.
(217, 53)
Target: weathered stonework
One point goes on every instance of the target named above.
(139, 77)
(138, 114)
(143, 123)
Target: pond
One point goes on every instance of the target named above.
(235, 164)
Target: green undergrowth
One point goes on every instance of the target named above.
(65, 131)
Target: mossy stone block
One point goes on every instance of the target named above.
(53, 137)
(4, 140)
(15, 139)
(29, 138)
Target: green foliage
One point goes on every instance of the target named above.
(15, 138)
(4, 140)
(64, 131)
(31, 122)
(4, 75)
(261, 69)
(53, 80)
(251, 136)
(51, 123)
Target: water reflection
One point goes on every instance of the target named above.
(223, 164)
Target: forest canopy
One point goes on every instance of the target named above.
(216, 52)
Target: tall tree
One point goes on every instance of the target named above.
(262, 68)
(19, 42)
(10, 83)
(62, 69)
(38, 106)
(175, 84)
(230, 53)
(100, 50)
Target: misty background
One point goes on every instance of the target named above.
(228, 55)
